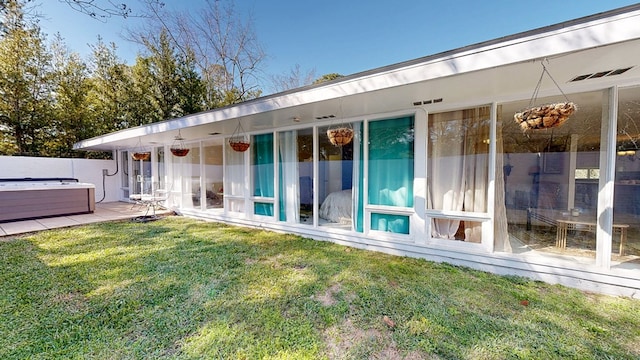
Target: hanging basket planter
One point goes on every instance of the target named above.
(239, 145)
(178, 148)
(238, 140)
(144, 155)
(140, 153)
(340, 136)
(545, 116)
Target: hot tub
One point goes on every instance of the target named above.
(22, 199)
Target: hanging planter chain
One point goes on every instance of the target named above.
(545, 116)
(238, 140)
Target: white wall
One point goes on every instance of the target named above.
(85, 170)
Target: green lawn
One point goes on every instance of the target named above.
(180, 288)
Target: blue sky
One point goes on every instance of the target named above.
(347, 36)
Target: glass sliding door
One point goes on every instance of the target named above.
(339, 181)
(295, 171)
(262, 170)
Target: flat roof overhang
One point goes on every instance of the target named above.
(504, 69)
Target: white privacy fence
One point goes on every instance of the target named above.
(85, 170)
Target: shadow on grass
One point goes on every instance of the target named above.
(179, 288)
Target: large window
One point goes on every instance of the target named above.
(235, 181)
(213, 174)
(458, 163)
(190, 183)
(391, 172)
(262, 170)
(626, 207)
(547, 181)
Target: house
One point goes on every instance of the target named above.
(436, 165)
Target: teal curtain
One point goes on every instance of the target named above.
(263, 174)
(391, 167)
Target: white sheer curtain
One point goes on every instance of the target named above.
(500, 229)
(458, 171)
(289, 177)
(446, 183)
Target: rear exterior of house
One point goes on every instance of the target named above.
(436, 166)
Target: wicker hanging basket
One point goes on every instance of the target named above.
(238, 140)
(144, 156)
(340, 136)
(140, 153)
(178, 147)
(545, 116)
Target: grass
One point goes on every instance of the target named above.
(183, 289)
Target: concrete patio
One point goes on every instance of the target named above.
(104, 212)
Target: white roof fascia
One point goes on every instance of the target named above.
(575, 36)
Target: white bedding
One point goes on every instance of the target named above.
(336, 207)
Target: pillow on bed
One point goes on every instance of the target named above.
(337, 206)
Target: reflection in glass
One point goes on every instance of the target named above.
(550, 192)
(626, 207)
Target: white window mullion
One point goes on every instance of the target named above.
(604, 230)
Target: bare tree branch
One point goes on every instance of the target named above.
(99, 9)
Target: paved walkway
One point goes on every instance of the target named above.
(104, 212)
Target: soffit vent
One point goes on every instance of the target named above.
(601, 74)
(427, 102)
(325, 117)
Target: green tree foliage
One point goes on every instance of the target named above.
(191, 89)
(72, 119)
(108, 98)
(25, 81)
(327, 77)
(51, 98)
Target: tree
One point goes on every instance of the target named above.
(191, 89)
(327, 77)
(294, 79)
(108, 97)
(223, 47)
(72, 118)
(98, 9)
(163, 68)
(25, 80)
(142, 107)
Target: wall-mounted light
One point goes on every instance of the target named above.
(296, 119)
